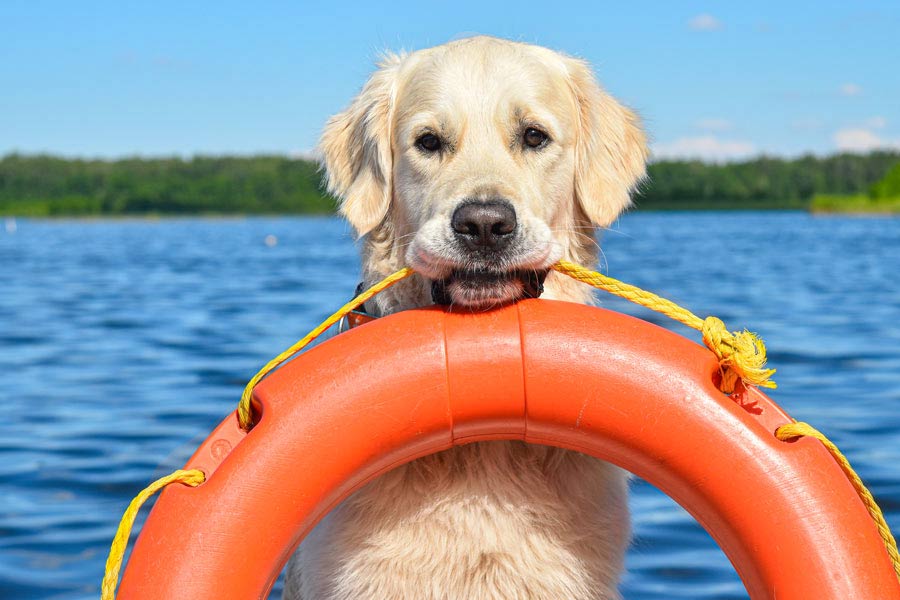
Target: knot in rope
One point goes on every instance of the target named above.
(741, 354)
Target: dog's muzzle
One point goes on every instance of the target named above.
(532, 283)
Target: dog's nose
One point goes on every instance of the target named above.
(486, 225)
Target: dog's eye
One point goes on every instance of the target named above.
(429, 142)
(534, 138)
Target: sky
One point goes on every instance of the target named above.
(712, 80)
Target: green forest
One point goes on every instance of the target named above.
(41, 185)
(53, 186)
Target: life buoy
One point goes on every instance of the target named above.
(545, 372)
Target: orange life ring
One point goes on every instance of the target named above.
(545, 372)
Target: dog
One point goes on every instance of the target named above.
(479, 163)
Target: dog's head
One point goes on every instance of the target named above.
(487, 159)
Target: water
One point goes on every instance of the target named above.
(122, 343)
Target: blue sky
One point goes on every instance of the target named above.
(719, 80)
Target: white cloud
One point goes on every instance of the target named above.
(878, 122)
(858, 139)
(850, 89)
(708, 148)
(704, 22)
(714, 124)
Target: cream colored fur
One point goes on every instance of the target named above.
(488, 520)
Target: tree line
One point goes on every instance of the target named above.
(48, 185)
(42, 185)
(763, 182)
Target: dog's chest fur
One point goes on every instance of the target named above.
(489, 520)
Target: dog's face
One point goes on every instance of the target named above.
(486, 156)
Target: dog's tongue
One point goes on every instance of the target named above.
(532, 287)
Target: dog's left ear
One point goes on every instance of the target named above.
(611, 148)
(356, 150)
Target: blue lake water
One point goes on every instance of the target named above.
(122, 343)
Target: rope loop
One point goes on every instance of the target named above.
(741, 354)
(793, 431)
(192, 477)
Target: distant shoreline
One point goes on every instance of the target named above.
(165, 218)
(223, 186)
(854, 204)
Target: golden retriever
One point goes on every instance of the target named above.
(479, 163)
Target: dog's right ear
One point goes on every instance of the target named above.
(356, 150)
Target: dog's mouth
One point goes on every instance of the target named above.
(478, 288)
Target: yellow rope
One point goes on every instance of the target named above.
(792, 431)
(741, 354)
(245, 416)
(192, 478)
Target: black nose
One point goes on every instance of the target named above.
(484, 225)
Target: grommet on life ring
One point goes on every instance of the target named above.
(544, 372)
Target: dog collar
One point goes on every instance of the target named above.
(358, 316)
